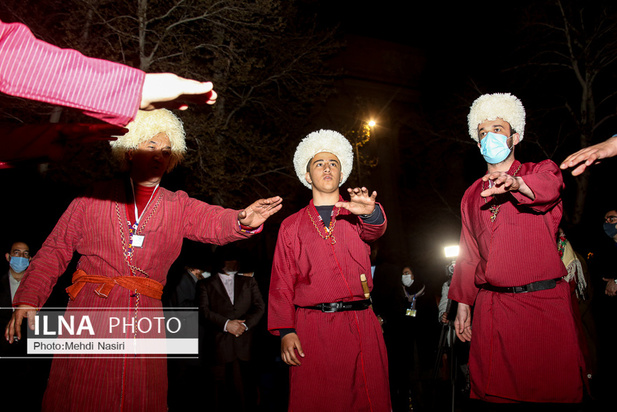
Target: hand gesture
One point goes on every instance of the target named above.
(289, 344)
(12, 333)
(462, 323)
(360, 202)
(503, 182)
(257, 213)
(236, 327)
(590, 155)
(172, 91)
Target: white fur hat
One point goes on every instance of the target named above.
(323, 141)
(491, 106)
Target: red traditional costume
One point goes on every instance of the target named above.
(96, 227)
(36, 70)
(524, 346)
(345, 363)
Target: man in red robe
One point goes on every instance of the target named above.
(128, 233)
(524, 346)
(318, 305)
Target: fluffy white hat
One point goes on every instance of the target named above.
(323, 141)
(491, 106)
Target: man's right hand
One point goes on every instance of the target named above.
(289, 344)
(462, 323)
(12, 333)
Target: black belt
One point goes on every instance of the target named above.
(340, 306)
(531, 287)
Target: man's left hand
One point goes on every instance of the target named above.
(360, 203)
(257, 213)
(611, 287)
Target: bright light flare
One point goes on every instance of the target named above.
(372, 123)
(451, 251)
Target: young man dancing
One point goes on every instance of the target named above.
(321, 278)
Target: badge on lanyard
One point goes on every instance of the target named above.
(138, 240)
(411, 311)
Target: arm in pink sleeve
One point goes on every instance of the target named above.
(33, 69)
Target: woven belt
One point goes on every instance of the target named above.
(531, 287)
(340, 306)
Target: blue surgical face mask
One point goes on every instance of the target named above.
(494, 148)
(19, 264)
(610, 229)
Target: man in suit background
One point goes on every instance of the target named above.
(230, 305)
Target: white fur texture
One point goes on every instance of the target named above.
(323, 141)
(491, 106)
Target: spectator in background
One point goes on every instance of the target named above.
(15, 372)
(231, 306)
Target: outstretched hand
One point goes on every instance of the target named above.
(590, 155)
(501, 182)
(360, 202)
(174, 92)
(257, 213)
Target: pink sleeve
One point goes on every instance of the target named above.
(33, 69)
(53, 258)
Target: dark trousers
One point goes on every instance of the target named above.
(234, 387)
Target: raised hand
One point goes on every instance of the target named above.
(174, 92)
(501, 182)
(590, 155)
(360, 202)
(257, 213)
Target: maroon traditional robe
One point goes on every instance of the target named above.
(345, 363)
(524, 346)
(96, 227)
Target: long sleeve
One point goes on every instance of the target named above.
(53, 257)
(370, 233)
(258, 306)
(281, 310)
(33, 69)
(463, 288)
(546, 182)
(205, 309)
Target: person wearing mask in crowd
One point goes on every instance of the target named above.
(127, 232)
(320, 286)
(19, 370)
(524, 348)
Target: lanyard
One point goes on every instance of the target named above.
(137, 215)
